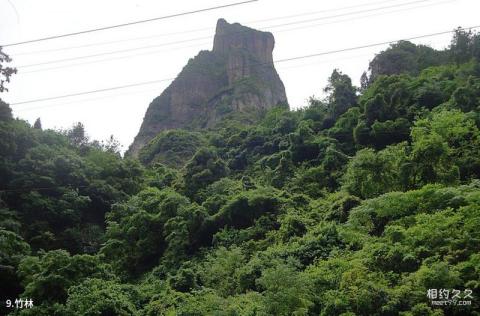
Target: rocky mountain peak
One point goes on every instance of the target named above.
(230, 37)
(237, 75)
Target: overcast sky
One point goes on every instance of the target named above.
(300, 27)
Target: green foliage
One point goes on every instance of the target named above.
(445, 137)
(12, 249)
(218, 193)
(286, 291)
(404, 57)
(464, 45)
(372, 173)
(440, 146)
(151, 224)
(160, 176)
(354, 205)
(5, 71)
(203, 169)
(342, 94)
(242, 209)
(100, 297)
(344, 127)
(49, 277)
(280, 120)
(373, 214)
(172, 148)
(5, 111)
(60, 185)
(390, 132)
(37, 124)
(221, 270)
(77, 135)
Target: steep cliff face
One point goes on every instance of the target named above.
(237, 75)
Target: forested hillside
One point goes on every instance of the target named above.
(355, 205)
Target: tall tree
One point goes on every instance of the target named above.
(364, 81)
(37, 124)
(461, 45)
(77, 135)
(5, 74)
(342, 95)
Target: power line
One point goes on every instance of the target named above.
(321, 62)
(199, 29)
(203, 43)
(114, 58)
(94, 91)
(259, 64)
(84, 100)
(108, 42)
(366, 16)
(355, 12)
(368, 45)
(111, 52)
(208, 37)
(130, 23)
(324, 11)
(152, 89)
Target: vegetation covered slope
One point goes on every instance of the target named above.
(355, 205)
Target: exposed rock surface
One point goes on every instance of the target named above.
(237, 75)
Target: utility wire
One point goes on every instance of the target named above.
(208, 37)
(324, 11)
(355, 12)
(86, 100)
(36, 52)
(369, 45)
(112, 52)
(259, 64)
(129, 23)
(115, 58)
(366, 16)
(95, 91)
(198, 30)
(207, 42)
(156, 88)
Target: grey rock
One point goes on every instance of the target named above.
(236, 75)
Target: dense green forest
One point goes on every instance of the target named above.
(355, 205)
